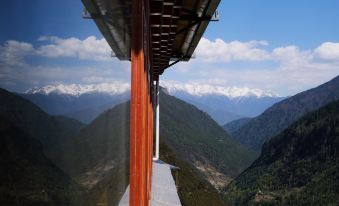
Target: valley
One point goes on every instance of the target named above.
(90, 162)
(96, 155)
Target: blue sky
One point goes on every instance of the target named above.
(306, 23)
(283, 46)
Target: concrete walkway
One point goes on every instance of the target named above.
(164, 191)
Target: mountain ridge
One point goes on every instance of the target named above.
(85, 102)
(206, 89)
(208, 146)
(122, 87)
(80, 89)
(279, 116)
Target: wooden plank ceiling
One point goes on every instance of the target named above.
(164, 19)
(176, 27)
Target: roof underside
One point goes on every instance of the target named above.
(176, 27)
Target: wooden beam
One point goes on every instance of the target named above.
(140, 113)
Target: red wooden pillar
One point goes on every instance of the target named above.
(144, 135)
(141, 112)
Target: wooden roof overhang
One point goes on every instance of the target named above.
(176, 27)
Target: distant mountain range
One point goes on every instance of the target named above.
(224, 104)
(279, 116)
(77, 90)
(90, 162)
(86, 102)
(94, 157)
(81, 102)
(196, 89)
(300, 166)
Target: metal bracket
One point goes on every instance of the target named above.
(176, 61)
(113, 55)
(175, 170)
(86, 14)
(215, 16)
(196, 19)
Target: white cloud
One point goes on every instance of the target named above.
(285, 70)
(87, 49)
(278, 79)
(18, 72)
(13, 52)
(291, 55)
(221, 51)
(93, 79)
(328, 51)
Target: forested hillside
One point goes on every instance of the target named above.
(300, 166)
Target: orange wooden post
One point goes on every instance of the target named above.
(144, 135)
(150, 147)
(136, 130)
(136, 117)
(141, 113)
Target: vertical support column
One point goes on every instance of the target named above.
(149, 110)
(140, 141)
(156, 157)
(144, 141)
(136, 134)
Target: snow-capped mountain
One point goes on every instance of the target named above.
(224, 104)
(115, 88)
(85, 102)
(82, 102)
(200, 90)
